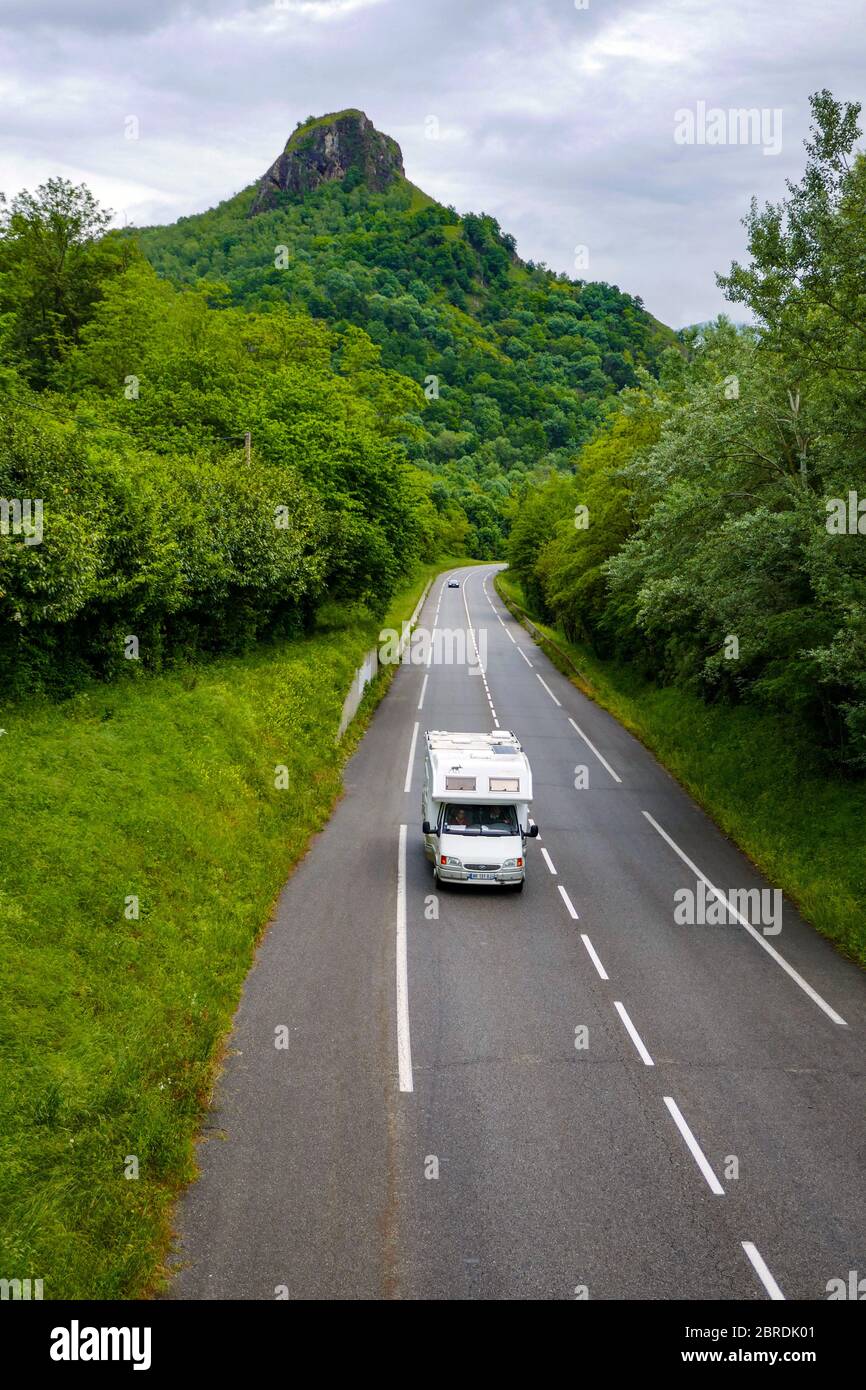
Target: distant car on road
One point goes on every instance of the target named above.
(453, 583)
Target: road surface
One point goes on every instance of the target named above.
(617, 1105)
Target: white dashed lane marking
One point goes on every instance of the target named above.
(548, 861)
(744, 922)
(568, 903)
(548, 689)
(694, 1148)
(408, 783)
(760, 1268)
(633, 1034)
(593, 955)
(604, 762)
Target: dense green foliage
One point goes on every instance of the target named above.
(516, 362)
(712, 557)
(153, 524)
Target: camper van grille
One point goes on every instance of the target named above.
(483, 866)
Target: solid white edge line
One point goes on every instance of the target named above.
(633, 1034)
(423, 690)
(549, 691)
(604, 762)
(404, 1045)
(593, 955)
(568, 903)
(694, 1147)
(744, 922)
(762, 1272)
(548, 861)
(408, 783)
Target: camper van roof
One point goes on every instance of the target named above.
(500, 741)
(478, 767)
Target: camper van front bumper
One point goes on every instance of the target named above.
(451, 873)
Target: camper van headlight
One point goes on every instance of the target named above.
(509, 864)
(451, 861)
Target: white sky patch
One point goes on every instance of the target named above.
(651, 39)
(292, 15)
(324, 10)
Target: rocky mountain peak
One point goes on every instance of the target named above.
(327, 148)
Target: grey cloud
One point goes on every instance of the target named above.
(557, 121)
(107, 16)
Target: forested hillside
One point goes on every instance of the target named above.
(713, 533)
(142, 518)
(395, 370)
(515, 361)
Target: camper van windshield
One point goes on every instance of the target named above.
(480, 820)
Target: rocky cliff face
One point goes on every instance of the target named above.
(330, 148)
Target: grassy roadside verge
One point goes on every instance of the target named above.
(161, 790)
(762, 783)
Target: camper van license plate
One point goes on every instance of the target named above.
(489, 877)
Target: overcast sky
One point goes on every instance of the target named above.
(559, 120)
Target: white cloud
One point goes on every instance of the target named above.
(323, 10)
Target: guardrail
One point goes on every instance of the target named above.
(369, 669)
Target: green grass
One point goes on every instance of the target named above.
(418, 198)
(757, 775)
(162, 788)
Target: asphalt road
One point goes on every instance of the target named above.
(707, 1141)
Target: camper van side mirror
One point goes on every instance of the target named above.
(425, 828)
(533, 831)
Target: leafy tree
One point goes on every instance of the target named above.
(54, 264)
(709, 559)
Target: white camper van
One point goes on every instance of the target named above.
(475, 807)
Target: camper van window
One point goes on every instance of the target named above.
(480, 820)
